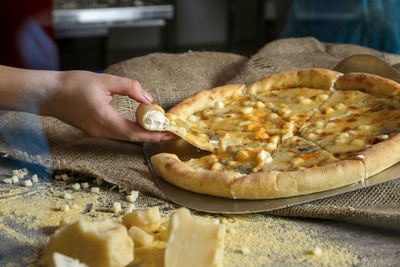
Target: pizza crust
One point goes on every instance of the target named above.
(312, 78)
(369, 83)
(205, 99)
(180, 174)
(388, 150)
(263, 185)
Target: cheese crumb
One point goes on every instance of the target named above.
(220, 104)
(285, 112)
(64, 207)
(131, 198)
(305, 101)
(323, 96)
(117, 207)
(264, 157)
(67, 196)
(194, 118)
(35, 178)
(296, 162)
(216, 166)
(15, 179)
(76, 186)
(245, 250)
(274, 116)
(247, 110)
(340, 106)
(85, 185)
(131, 207)
(95, 190)
(65, 177)
(27, 183)
(319, 123)
(7, 181)
(316, 251)
(260, 104)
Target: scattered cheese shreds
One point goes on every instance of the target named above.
(85, 185)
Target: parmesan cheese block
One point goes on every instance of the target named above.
(100, 244)
(193, 241)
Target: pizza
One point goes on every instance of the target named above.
(288, 134)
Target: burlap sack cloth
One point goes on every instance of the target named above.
(171, 78)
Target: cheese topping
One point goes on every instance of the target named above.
(255, 133)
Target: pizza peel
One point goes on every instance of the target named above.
(212, 204)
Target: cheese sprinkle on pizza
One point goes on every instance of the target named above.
(288, 134)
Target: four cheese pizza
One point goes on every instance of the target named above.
(288, 134)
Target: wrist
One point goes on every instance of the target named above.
(26, 90)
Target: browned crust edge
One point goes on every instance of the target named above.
(204, 99)
(369, 83)
(176, 172)
(382, 155)
(264, 185)
(311, 78)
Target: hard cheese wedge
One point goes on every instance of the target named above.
(100, 244)
(193, 241)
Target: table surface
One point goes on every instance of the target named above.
(29, 215)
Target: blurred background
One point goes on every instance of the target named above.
(93, 34)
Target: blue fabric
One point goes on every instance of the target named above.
(371, 23)
(37, 50)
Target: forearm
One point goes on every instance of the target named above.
(26, 90)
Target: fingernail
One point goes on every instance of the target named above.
(147, 96)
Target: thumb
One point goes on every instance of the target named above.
(126, 87)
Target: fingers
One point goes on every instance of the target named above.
(126, 87)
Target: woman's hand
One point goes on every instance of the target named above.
(82, 99)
